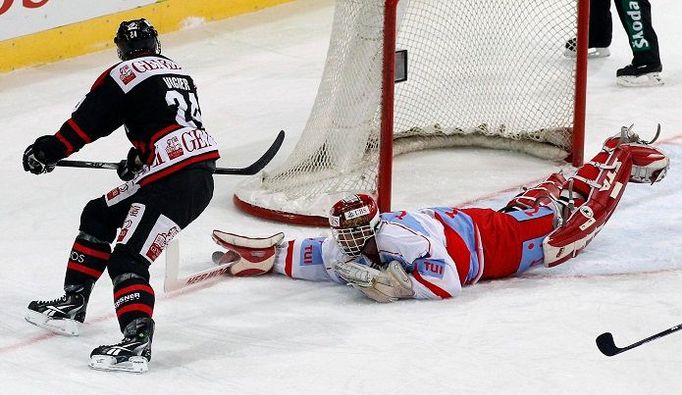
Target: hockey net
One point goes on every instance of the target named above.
(480, 73)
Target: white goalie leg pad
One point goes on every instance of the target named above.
(384, 286)
(249, 256)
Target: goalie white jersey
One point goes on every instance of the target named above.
(417, 240)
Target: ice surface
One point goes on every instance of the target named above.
(258, 74)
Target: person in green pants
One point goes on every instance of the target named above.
(635, 16)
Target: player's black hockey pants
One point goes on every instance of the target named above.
(140, 222)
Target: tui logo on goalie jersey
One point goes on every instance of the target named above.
(431, 267)
(311, 252)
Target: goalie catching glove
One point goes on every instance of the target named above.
(384, 286)
(247, 256)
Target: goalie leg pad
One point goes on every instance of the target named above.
(248, 256)
(624, 158)
(543, 194)
(546, 194)
(603, 181)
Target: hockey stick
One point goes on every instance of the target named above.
(172, 282)
(253, 168)
(258, 250)
(608, 347)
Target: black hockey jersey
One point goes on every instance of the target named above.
(157, 103)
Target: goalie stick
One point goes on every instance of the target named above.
(172, 281)
(245, 256)
(608, 347)
(251, 169)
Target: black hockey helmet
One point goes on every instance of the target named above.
(137, 38)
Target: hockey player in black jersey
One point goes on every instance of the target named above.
(168, 178)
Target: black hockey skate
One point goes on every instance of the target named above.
(62, 315)
(644, 75)
(129, 355)
(571, 50)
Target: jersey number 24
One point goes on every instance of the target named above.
(187, 103)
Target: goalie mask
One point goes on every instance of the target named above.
(354, 221)
(137, 38)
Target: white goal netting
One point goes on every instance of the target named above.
(480, 72)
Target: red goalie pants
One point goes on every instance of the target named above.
(512, 242)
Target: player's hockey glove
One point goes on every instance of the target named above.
(383, 286)
(129, 167)
(38, 158)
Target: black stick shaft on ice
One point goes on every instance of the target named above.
(608, 347)
(253, 168)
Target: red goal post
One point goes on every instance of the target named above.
(479, 73)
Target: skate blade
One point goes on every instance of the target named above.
(108, 363)
(64, 327)
(592, 53)
(651, 79)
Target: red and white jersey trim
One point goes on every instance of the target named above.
(130, 73)
(177, 149)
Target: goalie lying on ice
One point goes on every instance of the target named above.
(433, 252)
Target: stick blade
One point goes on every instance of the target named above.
(259, 164)
(216, 257)
(606, 345)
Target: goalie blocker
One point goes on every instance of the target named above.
(247, 256)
